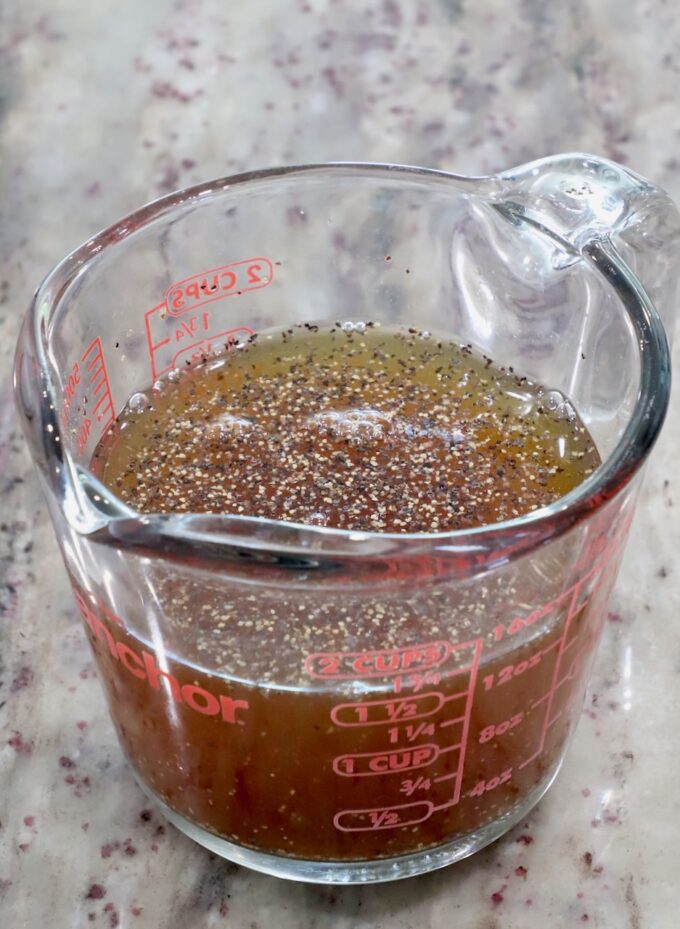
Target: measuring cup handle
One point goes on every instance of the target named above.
(582, 199)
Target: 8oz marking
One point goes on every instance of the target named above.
(491, 732)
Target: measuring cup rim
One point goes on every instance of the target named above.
(506, 538)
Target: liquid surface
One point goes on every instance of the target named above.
(356, 428)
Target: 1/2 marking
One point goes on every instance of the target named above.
(405, 814)
(410, 785)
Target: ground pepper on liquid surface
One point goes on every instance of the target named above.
(347, 425)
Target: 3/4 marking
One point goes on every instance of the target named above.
(410, 785)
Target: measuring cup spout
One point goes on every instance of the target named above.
(587, 201)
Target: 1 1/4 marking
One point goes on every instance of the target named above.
(410, 732)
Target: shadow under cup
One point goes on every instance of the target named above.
(320, 704)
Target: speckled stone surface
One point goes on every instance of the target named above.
(105, 105)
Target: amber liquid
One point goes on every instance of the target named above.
(248, 720)
(370, 430)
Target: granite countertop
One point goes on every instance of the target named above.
(106, 105)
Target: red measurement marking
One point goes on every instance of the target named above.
(225, 281)
(493, 731)
(555, 677)
(410, 785)
(416, 681)
(178, 331)
(380, 712)
(411, 732)
(102, 412)
(483, 787)
(401, 713)
(601, 554)
(203, 347)
(466, 720)
(588, 637)
(445, 777)
(507, 673)
(389, 817)
(70, 390)
(350, 665)
(368, 764)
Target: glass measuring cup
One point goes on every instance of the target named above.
(327, 705)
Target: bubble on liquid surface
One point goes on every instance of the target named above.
(348, 326)
(316, 519)
(357, 425)
(174, 375)
(456, 437)
(556, 402)
(413, 429)
(525, 400)
(228, 424)
(138, 403)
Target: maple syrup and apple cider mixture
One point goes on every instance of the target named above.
(365, 428)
